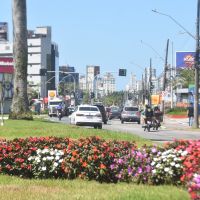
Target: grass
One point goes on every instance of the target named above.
(39, 127)
(14, 188)
(20, 189)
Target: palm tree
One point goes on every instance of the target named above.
(20, 105)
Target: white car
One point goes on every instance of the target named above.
(86, 115)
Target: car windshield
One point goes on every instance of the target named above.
(88, 109)
(54, 103)
(131, 109)
(114, 109)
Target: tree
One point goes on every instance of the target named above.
(187, 75)
(20, 105)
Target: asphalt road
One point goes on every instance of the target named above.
(170, 130)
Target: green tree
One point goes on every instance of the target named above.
(20, 104)
(115, 98)
(187, 76)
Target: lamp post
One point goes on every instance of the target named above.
(196, 66)
(66, 77)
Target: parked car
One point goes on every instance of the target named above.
(114, 112)
(103, 112)
(130, 114)
(86, 115)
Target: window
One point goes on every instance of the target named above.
(131, 109)
(88, 109)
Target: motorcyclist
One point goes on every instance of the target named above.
(148, 114)
(59, 111)
(157, 115)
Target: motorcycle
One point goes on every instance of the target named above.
(59, 114)
(151, 123)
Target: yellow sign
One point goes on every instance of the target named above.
(51, 94)
(155, 99)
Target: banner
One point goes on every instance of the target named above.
(185, 60)
(155, 99)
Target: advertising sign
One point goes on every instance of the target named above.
(155, 99)
(3, 31)
(6, 65)
(51, 94)
(185, 60)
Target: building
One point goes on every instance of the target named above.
(42, 57)
(109, 83)
(3, 32)
(82, 83)
(92, 72)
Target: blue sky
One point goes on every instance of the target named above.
(108, 33)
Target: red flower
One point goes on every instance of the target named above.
(84, 164)
(102, 166)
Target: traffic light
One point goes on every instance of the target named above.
(122, 72)
(91, 95)
(129, 96)
(151, 87)
(43, 72)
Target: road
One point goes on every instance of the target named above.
(171, 129)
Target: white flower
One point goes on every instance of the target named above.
(164, 159)
(44, 158)
(49, 157)
(158, 165)
(44, 168)
(184, 153)
(60, 160)
(172, 163)
(57, 157)
(154, 171)
(30, 158)
(55, 164)
(38, 151)
(166, 169)
(153, 163)
(45, 151)
(177, 165)
(170, 172)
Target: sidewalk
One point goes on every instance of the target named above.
(177, 123)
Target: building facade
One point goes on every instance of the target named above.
(109, 85)
(92, 72)
(42, 54)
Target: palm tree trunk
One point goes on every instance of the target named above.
(20, 105)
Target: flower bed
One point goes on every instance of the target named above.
(104, 161)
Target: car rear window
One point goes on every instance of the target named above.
(131, 109)
(114, 108)
(88, 109)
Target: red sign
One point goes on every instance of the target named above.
(6, 65)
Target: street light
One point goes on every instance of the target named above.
(196, 98)
(66, 77)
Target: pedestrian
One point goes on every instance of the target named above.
(148, 114)
(190, 113)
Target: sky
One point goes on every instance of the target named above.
(113, 34)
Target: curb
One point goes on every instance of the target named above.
(177, 116)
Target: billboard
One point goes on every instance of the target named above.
(6, 65)
(185, 59)
(3, 31)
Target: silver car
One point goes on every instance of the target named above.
(130, 114)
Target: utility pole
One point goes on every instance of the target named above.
(164, 77)
(150, 82)
(196, 95)
(145, 84)
(143, 91)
